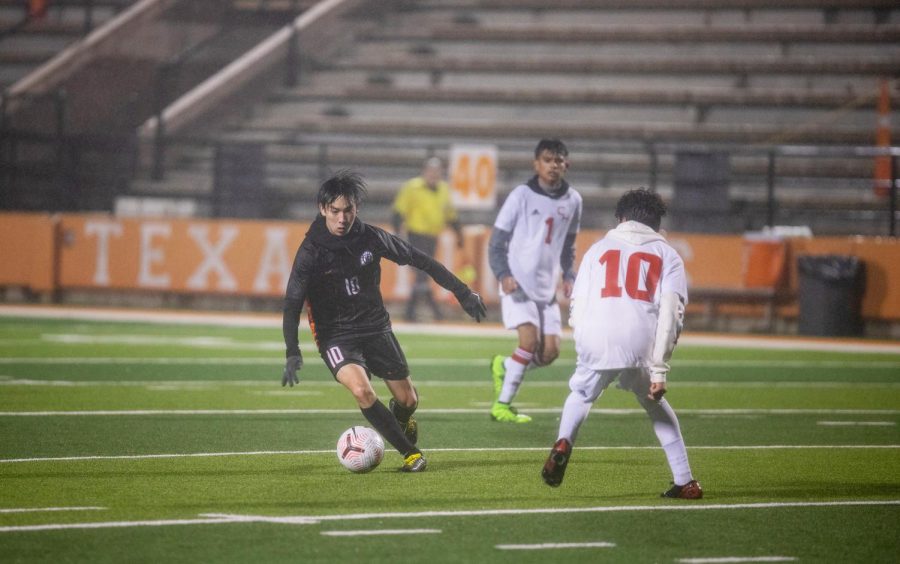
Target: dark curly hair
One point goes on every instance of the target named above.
(344, 183)
(643, 206)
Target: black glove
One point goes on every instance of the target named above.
(293, 364)
(474, 306)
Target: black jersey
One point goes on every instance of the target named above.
(339, 280)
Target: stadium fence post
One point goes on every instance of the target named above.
(770, 190)
(292, 74)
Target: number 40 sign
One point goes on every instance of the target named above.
(473, 176)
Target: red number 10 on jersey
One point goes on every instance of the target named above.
(643, 270)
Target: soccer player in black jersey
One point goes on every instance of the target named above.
(337, 273)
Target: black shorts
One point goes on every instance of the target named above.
(379, 354)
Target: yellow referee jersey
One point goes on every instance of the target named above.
(425, 211)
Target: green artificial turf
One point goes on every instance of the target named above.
(176, 443)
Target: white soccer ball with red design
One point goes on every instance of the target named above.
(360, 449)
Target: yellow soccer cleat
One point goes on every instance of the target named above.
(505, 413)
(415, 462)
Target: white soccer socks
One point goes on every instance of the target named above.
(665, 425)
(574, 413)
(515, 366)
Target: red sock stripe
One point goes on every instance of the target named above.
(522, 356)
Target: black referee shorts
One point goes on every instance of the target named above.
(379, 354)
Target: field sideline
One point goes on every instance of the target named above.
(229, 319)
(166, 436)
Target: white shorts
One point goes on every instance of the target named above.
(516, 313)
(591, 383)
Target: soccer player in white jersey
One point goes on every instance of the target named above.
(532, 243)
(627, 310)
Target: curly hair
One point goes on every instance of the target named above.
(643, 206)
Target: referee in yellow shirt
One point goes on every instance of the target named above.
(424, 209)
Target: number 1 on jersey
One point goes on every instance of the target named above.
(641, 268)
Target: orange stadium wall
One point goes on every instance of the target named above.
(253, 258)
(177, 255)
(28, 251)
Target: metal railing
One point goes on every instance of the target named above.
(830, 187)
(46, 166)
(57, 179)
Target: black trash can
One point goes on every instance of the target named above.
(831, 290)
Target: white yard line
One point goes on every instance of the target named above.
(436, 411)
(554, 545)
(159, 456)
(225, 519)
(856, 423)
(231, 319)
(164, 340)
(113, 525)
(450, 449)
(141, 412)
(722, 363)
(735, 559)
(549, 510)
(437, 361)
(44, 509)
(273, 387)
(142, 360)
(378, 532)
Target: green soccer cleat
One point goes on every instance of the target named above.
(415, 462)
(410, 427)
(498, 371)
(505, 413)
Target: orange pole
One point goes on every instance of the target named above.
(883, 139)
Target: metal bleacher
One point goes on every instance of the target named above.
(29, 39)
(67, 127)
(626, 84)
(787, 89)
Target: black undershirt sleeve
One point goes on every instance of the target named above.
(290, 327)
(294, 296)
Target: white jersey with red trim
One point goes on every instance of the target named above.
(539, 224)
(615, 302)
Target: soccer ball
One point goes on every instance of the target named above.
(360, 449)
